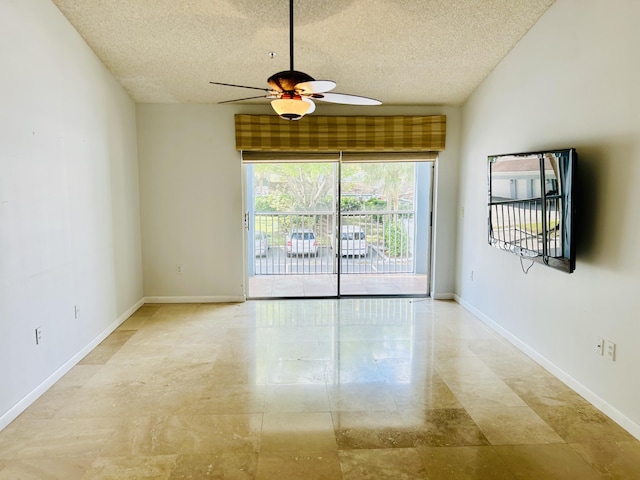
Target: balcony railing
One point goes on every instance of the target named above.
(388, 236)
(528, 227)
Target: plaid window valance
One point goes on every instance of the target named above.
(344, 157)
(316, 133)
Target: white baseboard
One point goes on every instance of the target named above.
(159, 299)
(442, 296)
(37, 392)
(598, 402)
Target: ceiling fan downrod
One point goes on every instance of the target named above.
(290, 34)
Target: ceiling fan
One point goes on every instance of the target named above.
(293, 92)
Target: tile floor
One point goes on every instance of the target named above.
(312, 389)
(324, 285)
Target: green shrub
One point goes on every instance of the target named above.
(349, 204)
(263, 204)
(375, 204)
(396, 240)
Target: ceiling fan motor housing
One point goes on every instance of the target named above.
(287, 80)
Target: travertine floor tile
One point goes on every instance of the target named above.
(297, 465)
(225, 399)
(461, 369)
(444, 427)
(305, 372)
(78, 376)
(109, 347)
(612, 460)
(548, 462)
(391, 464)
(337, 389)
(51, 402)
(513, 426)
(127, 468)
(482, 392)
(373, 429)
(232, 466)
(297, 431)
(184, 374)
(296, 398)
(115, 374)
(582, 423)
(464, 463)
(146, 436)
(140, 354)
(50, 438)
(44, 468)
(233, 372)
(544, 389)
(221, 433)
(146, 310)
(360, 397)
(431, 393)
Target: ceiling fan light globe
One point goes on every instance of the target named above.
(290, 108)
(312, 106)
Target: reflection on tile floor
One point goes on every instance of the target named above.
(322, 285)
(316, 389)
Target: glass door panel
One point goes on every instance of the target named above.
(382, 228)
(302, 242)
(291, 221)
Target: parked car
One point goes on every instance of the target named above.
(261, 245)
(353, 241)
(302, 241)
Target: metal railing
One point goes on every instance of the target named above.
(529, 227)
(388, 235)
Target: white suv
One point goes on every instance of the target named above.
(302, 241)
(353, 241)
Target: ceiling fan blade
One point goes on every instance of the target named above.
(312, 107)
(240, 86)
(315, 86)
(247, 98)
(346, 99)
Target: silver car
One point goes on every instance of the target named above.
(302, 241)
(353, 241)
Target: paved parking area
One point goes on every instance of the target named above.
(277, 262)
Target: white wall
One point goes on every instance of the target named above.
(69, 202)
(191, 203)
(192, 198)
(571, 82)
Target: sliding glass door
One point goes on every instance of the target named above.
(327, 229)
(291, 217)
(384, 228)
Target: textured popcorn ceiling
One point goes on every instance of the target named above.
(402, 52)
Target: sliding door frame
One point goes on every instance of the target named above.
(249, 229)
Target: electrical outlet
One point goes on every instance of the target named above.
(471, 276)
(76, 312)
(38, 335)
(599, 349)
(179, 269)
(610, 350)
